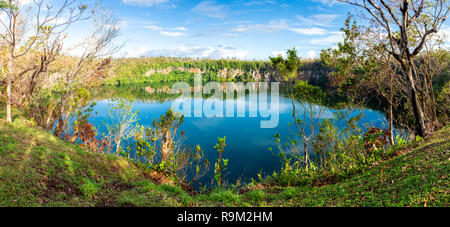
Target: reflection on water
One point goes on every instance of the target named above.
(247, 143)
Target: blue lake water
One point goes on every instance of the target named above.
(247, 143)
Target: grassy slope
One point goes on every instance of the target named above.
(37, 169)
(417, 178)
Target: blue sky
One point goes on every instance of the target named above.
(254, 29)
(224, 29)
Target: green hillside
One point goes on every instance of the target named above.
(38, 169)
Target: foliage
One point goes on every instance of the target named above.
(375, 139)
(295, 159)
(443, 101)
(53, 105)
(305, 92)
(4, 5)
(162, 149)
(221, 164)
(89, 189)
(121, 125)
(406, 35)
(167, 69)
(338, 153)
(287, 68)
(84, 133)
(345, 60)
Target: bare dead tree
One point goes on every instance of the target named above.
(99, 44)
(431, 63)
(396, 20)
(21, 33)
(122, 125)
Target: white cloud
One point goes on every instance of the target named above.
(162, 31)
(211, 9)
(154, 28)
(310, 31)
(192, 51)
(279, 25)
(180, 29)
(278, 53)
(136, 52)
(327, 41)
(311, 54)
(144, 2)
(327, 2)
(271, 27)
(318, 19)
(171, 34)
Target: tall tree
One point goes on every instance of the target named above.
(404, 40)
(361, 67)
(304, 98)
(21, 33)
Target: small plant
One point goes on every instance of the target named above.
(419, 139)
(143, 146)
(162, 149)
(376, 139)
(256, 196)
(84, 133)
(337, 152)
(400, 143)
(221, 164)
(122, 125)
(89, 189)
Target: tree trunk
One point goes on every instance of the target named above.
(60, 125)
(165, 151)
(391, 122)
(433, 104)
(119, 138)
(9, 85)
(305, 145)
(417, 108)
(8, 100)
(391, 106)
(118, 146)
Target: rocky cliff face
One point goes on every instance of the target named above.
(313, 71)
(223, 73)
(171, 69)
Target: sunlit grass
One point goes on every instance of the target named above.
(38, 169)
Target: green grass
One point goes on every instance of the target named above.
(417, 178)
(38, 169)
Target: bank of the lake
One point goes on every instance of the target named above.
(248, 143)
(38, 169)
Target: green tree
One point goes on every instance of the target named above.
(162, 148)
(304, 95)
(362, 67)
(221, 164)
(405, 26)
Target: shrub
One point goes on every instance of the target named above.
(162, 149)
(89, 188)
(337, 152)
(221, 164)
